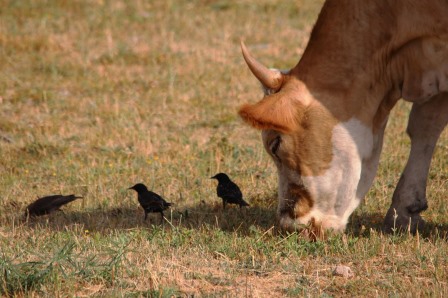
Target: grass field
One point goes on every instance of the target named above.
(96, 96)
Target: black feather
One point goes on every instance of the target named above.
(228, 191)
(150, 201)
(48, 204)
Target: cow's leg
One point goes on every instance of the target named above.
(426, 122)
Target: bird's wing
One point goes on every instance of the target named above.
(159, 198)
(152, 205)
(44, 204)
(62, 200)
(155, 196)
(152, 201)
(148, 199)
(229, 190)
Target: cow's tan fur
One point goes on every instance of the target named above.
(362, 57)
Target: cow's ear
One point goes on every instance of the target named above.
(272, 112)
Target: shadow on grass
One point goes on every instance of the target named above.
(361, 223)
(233, 219)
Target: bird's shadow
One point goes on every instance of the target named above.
(232, 219)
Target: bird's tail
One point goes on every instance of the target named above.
(244, 203)
(67, 199)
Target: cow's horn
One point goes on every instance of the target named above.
(271, 79)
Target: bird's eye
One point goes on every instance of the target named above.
(275, 144)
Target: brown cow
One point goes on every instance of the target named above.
(323, 121)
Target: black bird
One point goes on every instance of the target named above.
(48, 204)
(228, 191)
(150, 201)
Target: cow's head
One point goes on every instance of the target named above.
(319, 160)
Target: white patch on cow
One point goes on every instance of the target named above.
(335, 191)
(370, 165)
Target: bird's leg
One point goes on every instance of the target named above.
(161, 218)
(146, 215)
(61, 211)
(224, 204)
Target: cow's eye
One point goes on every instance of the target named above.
(275, 144)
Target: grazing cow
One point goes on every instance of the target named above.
(323, 121)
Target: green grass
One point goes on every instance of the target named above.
(98, 95)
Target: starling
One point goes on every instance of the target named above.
(150, 201)
(48, 204)
(228, 191)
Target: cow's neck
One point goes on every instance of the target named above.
(344, 63)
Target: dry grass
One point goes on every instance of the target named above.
(98, 95)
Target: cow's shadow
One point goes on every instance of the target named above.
(362, 223)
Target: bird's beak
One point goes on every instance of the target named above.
(130, 188)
